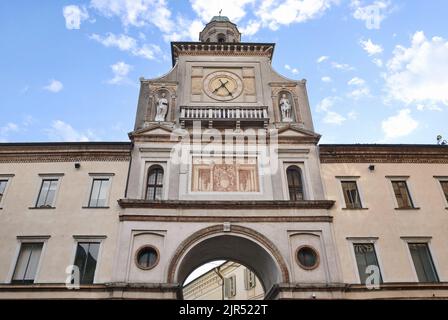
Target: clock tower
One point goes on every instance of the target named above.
(225, 165)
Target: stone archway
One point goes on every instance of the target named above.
(241, 244)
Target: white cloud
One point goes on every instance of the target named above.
(418, 74)
(372, 14)
(251, 28)
(120, 71)
(137, 13)
(361, 88)
(326, 79)
(74, 15)
(322, 59)
(234, 9)
(61, 131)
(127, 43)
(291, 69)
(430, 107)
(277, 13)
(334, 118)
(370, 47)
(326, 103)
(378, 62)
(54, 86)
(342, 66)
(399, 125)
(187, 29)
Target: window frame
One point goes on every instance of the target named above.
(28, 239)
(7, 178)
(302, 181)
(163, 185)
(248, 284)
(99, 176)
(137, 254)
(359, 188)
(409, 189)
(440, 180)
(82, 238)
(421, 240)
(366, 240)
(229, 293)
(48, 176)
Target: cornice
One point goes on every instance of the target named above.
(225, 205)
(63, 152)
(383, 153)
(223, 219)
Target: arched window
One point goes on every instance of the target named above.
(155, 183)
(295, 186)
(221, 38)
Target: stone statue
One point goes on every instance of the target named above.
(162, 108)
(285, 107)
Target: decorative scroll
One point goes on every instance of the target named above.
(225, 175)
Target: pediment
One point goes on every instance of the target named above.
(153, 130)
(292, 132)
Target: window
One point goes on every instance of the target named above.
(402, 195)
(295, 186)
(47, 193)
(424, 266)
(147, 257)
(351, 195)
(221, 38)
(27, 263)
(155, 183)
(249, 279)
(444, 185)
(3, 184)
(365, 257)
(99, 192)
(86, 259)
(230, 286)
(307, 258)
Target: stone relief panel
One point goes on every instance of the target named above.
(225, 175)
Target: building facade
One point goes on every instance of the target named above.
(223, 164)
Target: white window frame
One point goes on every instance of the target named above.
(28, 239)
(439, 180)
(410, 190)
(355, 179)
(427, 241)
(8, 178)
(94, 176)
(228, 290)
(84, 238)
(366, 240)
(48, 176)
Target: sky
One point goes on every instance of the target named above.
(376, 70)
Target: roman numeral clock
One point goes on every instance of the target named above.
(223, 85)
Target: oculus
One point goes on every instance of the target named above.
(307, 257)
(147, 257)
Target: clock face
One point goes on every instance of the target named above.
(223, 85)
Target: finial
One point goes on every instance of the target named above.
(220, 11)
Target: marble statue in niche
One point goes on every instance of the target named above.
(162, 108)
(285, 108)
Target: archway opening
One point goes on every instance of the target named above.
(223, 280)
(236, 249)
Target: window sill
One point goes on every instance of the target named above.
(406, 209)
(41, 208)
(87, 207)
(354, 209)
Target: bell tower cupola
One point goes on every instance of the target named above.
(220, 30)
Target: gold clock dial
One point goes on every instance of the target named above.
(223, 85)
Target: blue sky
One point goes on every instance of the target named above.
(377, 71)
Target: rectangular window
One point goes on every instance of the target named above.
(402, 195)
(230, 286)
(249, 279)
(99, 192)
(2, 188)
(351, 195)
(444, 185)
(86, 260)
(365, 257)
(47, 193)
(27, 263)
(424, 266)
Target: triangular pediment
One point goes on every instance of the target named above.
(156, 130)
(292, 132)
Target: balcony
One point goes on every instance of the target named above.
(225, 116)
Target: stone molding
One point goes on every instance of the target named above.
(222, 219)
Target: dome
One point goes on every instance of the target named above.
(220, 19)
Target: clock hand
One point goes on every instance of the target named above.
(223, 84)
